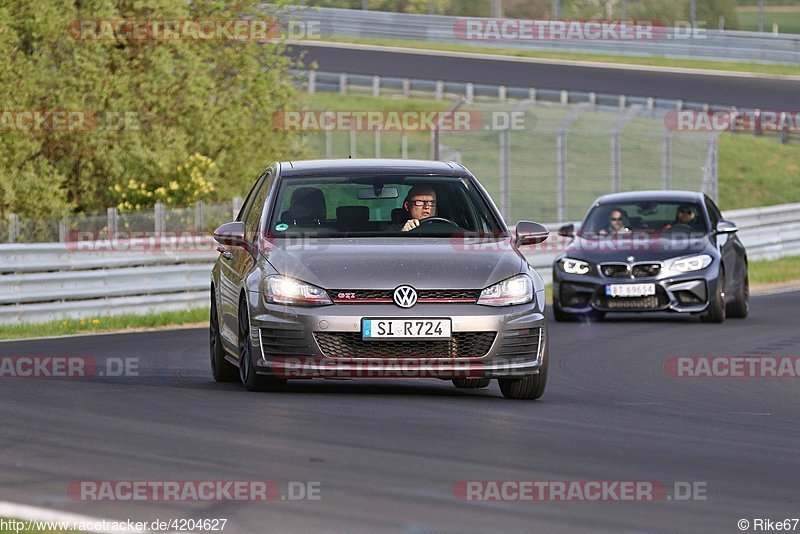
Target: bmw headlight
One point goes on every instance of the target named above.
(515, 290)
(283, 290)
(571, 266)
(690, 263)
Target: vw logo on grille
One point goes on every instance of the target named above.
(405, 296)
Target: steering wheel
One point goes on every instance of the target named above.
(434, 220)
(681, 228)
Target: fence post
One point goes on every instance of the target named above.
(199, 215)
(236, 207)
(377, 142)
(406, 88)
(564, 97)
(532, 94)
(158, 212)
(62, 230)
(561, 170)
(328, 144)
(112, 216)
(312, 82)
(376, 86)
(666, 161)
(439, 90)
(505, 173)
(616, 178)
(353, 142)
(469, 92)
(343, 83)
(404, 146)
(13, 227)
(502, 93)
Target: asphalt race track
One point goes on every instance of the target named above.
(388, 454)
(744, 91)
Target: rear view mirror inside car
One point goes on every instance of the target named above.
(376, 193)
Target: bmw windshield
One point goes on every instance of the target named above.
(382, 206)
(666, 217)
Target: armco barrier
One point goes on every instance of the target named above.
(46, 282)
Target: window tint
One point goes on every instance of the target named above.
(645, 216)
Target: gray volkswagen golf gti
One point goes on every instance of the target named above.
(376, 269)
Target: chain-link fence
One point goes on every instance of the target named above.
(548, 162)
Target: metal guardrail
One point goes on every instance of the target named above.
(46, 282)
(675, 42)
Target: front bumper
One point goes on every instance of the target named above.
(684, 293)
(325, 342)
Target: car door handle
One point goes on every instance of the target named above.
(225, 252)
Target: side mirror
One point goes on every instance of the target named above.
(531, 233)
(726, 227)
(231, 234)
(568, 230)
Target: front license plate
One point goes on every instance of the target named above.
(382, 329)
(630, 290)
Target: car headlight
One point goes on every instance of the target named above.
(570, 266)
(690, 263)
(515, 290)
(282, 290)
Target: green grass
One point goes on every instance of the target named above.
(654, 61)
(775, 271)
(104, 324)
(787, 18)
(757, 171)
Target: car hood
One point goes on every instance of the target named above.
(370, 263)
(644, 247)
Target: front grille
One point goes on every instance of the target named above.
(344, 296)
(521, 342)
(614, 270)
(640, 270)
(653, 302)
(644, 270)
(279, 341)
(350, 345)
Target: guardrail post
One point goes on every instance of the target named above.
(376, 86)
(679, 104)
(593, 99)
(757, 120)
(13, 227)
(623, 101)
(439, 90)
(666, 162)
(236, 207)
(651, 104)
(343, 83)
(406, 87)
(502, 93)
(112, 217)
(469, 92)
(199, 215)
(564, 97)
(532, 95)
(785, 129)
(158, 212)
(312, 82)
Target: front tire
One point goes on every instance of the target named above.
(251, 380)
(221, 369)
(529, 387)
(716, 307)
(740, 307)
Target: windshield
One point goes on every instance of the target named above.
(367, 206)
(660, 217)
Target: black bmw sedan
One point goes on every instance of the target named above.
(652, 251)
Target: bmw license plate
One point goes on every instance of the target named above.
(630, 290)
(383, 329)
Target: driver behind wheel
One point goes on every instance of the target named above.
(420, 203)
